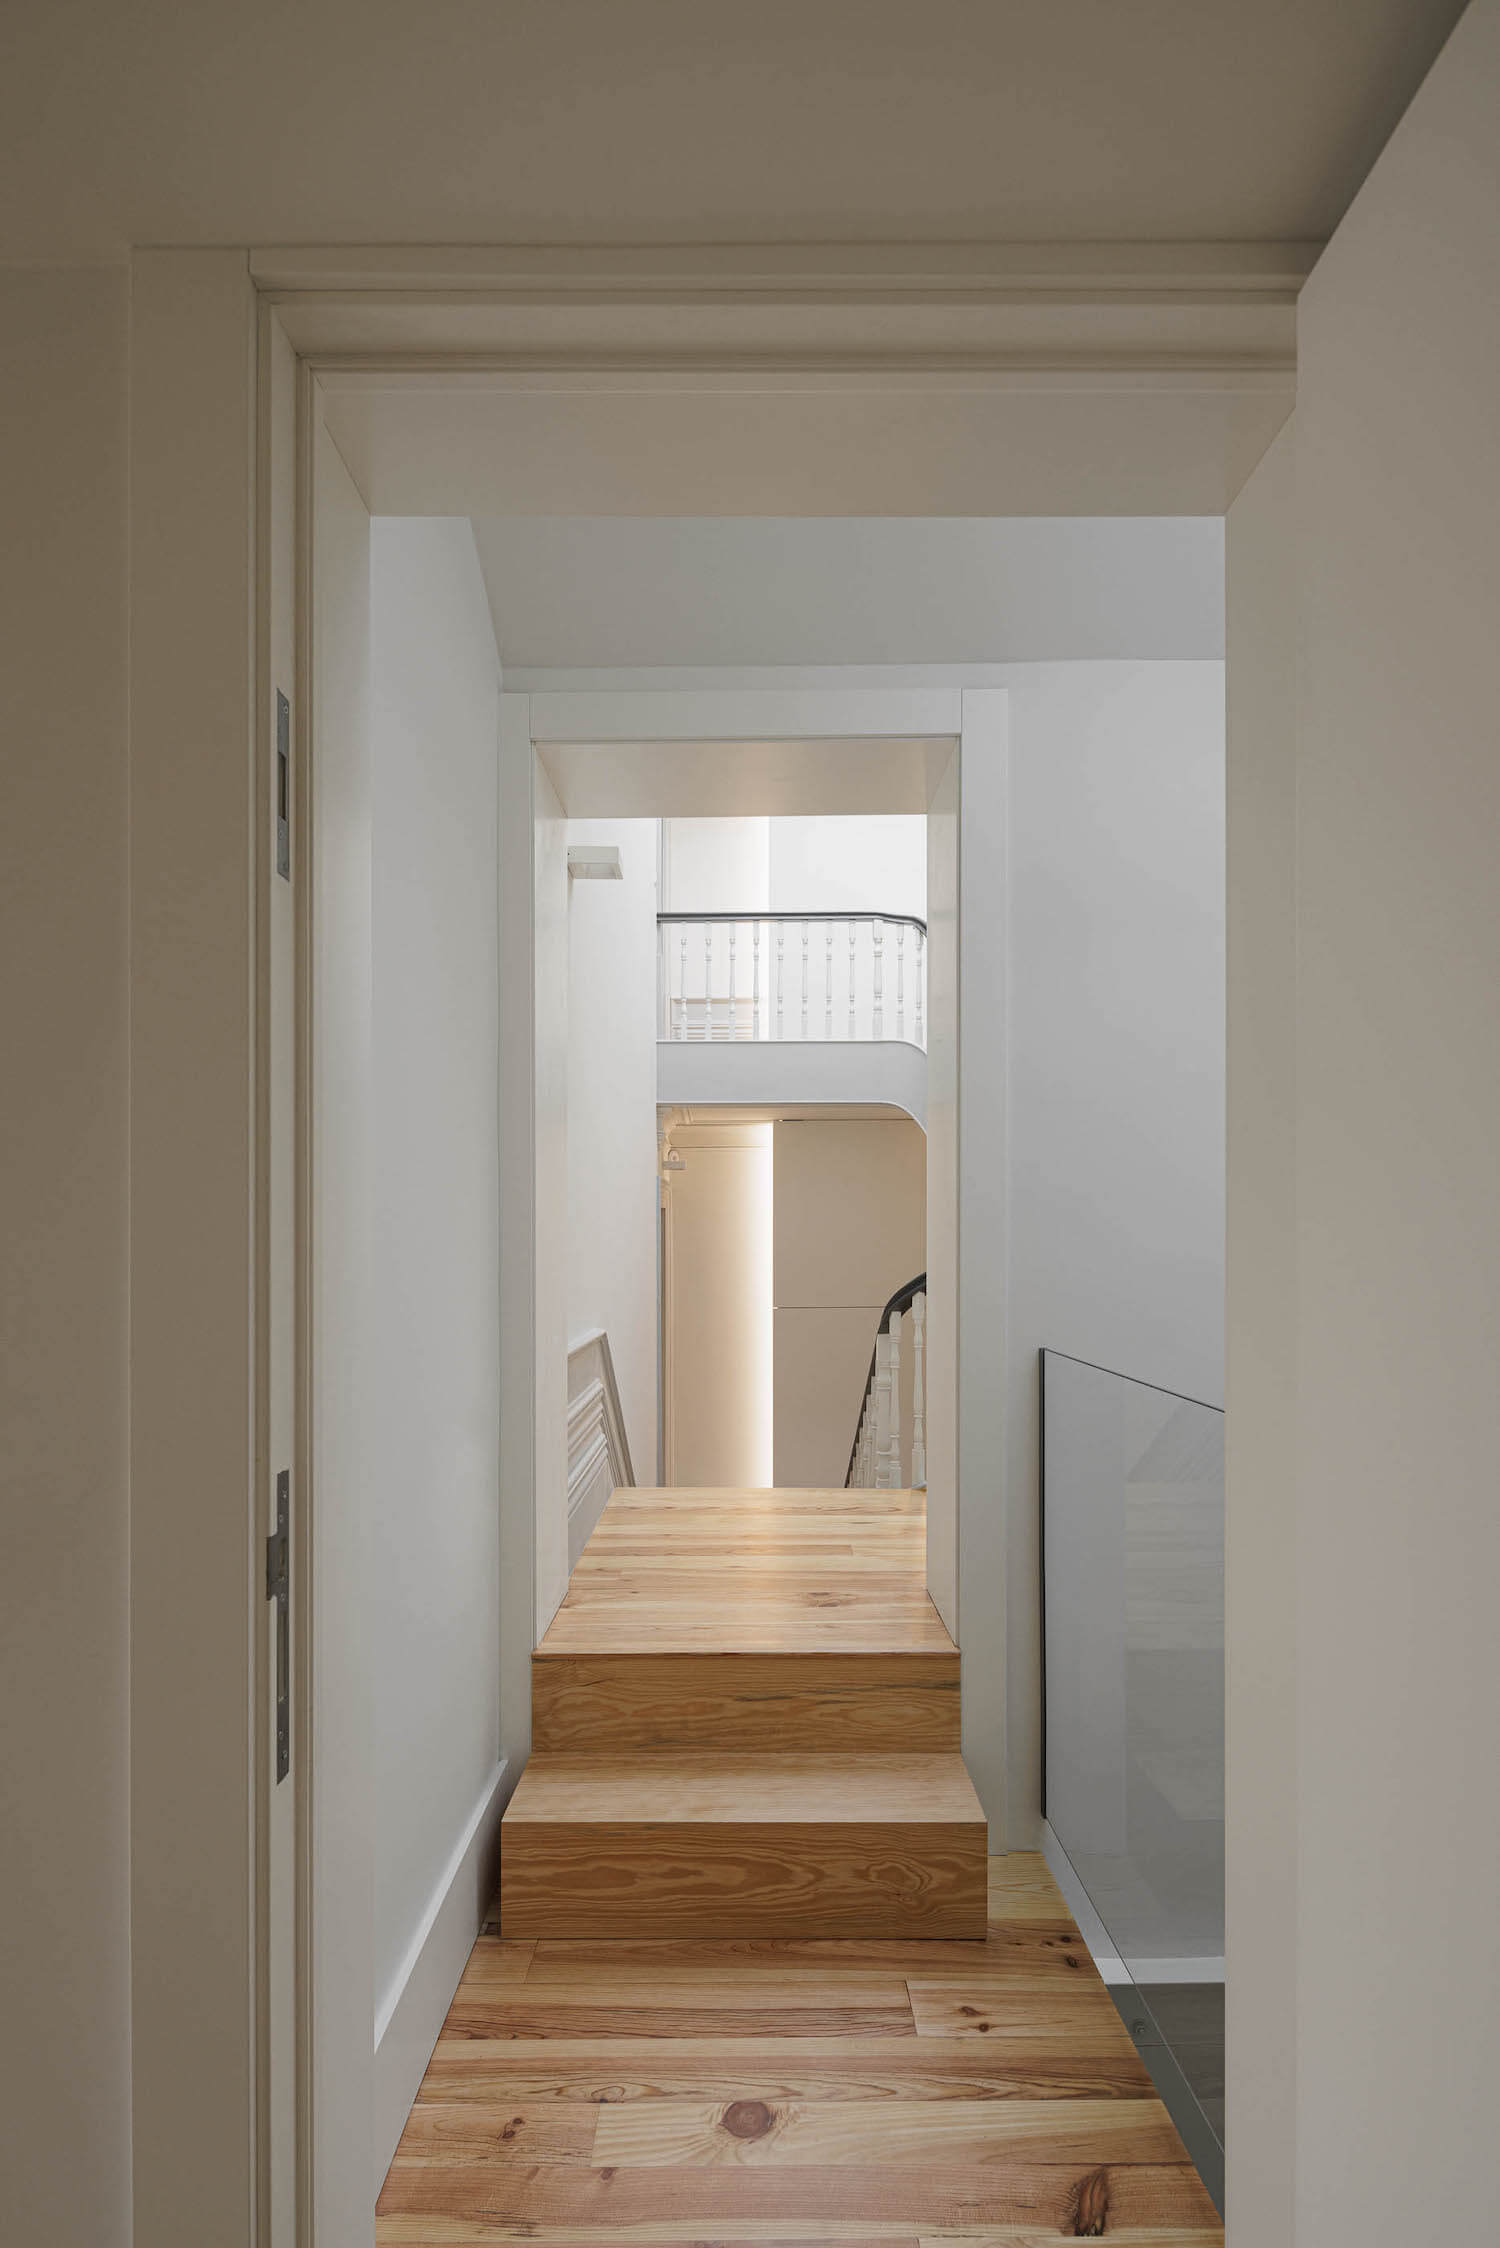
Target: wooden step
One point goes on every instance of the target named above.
(704, 1845)
(597, 1704)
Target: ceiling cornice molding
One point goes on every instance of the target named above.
(964, 311)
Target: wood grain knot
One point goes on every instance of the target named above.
(1091, 2205)
(747, 2119)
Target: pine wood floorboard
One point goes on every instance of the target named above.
(771, 2092)
(1062, 2198)
(852, 2067)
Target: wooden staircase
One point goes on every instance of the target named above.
(745, 1722)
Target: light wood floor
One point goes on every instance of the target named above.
(794, 2091)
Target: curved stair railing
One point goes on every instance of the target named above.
(877, 1460)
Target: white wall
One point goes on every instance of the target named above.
(853, 862)
(716, 866)
(859, 863)
(612, 1175)
(431, 1533)
(1116, 1058)
(64, 1605)
(1397, 1105)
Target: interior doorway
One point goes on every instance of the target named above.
(380, 442)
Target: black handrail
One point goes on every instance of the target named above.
(900, 1304)
(908, 920)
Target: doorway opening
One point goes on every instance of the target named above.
(943, 705)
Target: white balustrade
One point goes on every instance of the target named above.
(714, 1008)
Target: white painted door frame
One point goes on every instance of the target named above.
(1058, 365)
(597, 741)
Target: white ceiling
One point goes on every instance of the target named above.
(684, 121)
(608, 592)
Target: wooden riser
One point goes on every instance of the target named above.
(692, 1845)
(700, 1882)
(593, 1705)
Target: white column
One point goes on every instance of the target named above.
(918, 1392)
(851, 978)
(708, 979)
(804, 983)
(919, 970)
(679, 1026)
(755, 998)
(828, 981)
(734, 1028)
(900, 979)
(780, 977)
(879, 935)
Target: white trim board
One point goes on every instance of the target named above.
(411, 2013)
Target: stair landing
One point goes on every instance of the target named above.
(745, 1722)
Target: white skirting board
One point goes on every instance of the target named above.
(412, 2009)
